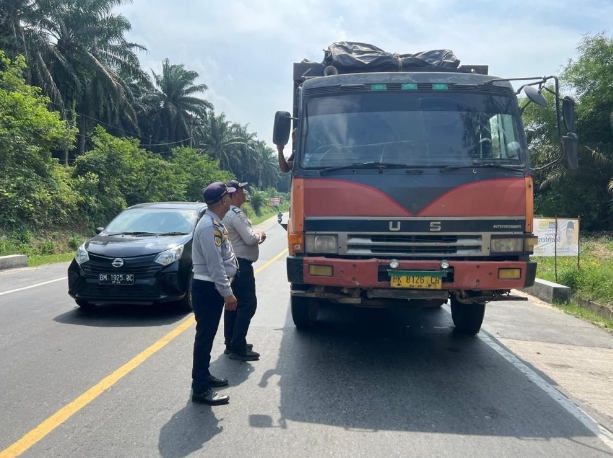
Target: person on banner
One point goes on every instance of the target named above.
(570, 245)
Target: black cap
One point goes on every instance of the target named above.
(215, 191)
(236, 184)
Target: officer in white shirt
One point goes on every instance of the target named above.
(245, 241)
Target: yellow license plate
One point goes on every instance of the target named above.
(417, 282)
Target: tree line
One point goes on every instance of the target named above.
(71, 58)
(76, 51)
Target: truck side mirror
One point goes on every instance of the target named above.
(535, 96)
(568, 113)
(569, 145)
(282, 127)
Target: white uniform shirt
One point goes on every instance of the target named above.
(244, 239)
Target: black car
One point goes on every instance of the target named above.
(143, 256)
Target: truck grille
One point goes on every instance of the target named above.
(403, 245)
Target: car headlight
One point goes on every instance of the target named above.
(321, 243)
(509, 245)
(169, 256)
(82, 255)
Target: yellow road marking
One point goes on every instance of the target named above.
(69, 410)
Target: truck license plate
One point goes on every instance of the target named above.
(417, 282)
(116, 279)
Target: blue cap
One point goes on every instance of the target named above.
(215, 191)
(236, 184)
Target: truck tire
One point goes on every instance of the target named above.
(467, 318)
(304, 311)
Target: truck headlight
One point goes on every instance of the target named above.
(169, 256)
(321, 243)
(82, 255)
(508, 245)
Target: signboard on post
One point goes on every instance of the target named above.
(274, 201)
(557, 236)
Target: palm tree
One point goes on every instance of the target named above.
(220, 139)
(75, 51)
(176, 109)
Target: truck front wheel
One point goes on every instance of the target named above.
(304, 311)
(467, 318)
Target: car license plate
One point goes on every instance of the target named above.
(116, 279)
(416, 281)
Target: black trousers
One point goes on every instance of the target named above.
(236, 324)
(208, 305)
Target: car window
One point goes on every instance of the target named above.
(156, 221)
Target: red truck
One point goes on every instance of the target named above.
(411, 185)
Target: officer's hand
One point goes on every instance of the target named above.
(230, 303)
(262, 236)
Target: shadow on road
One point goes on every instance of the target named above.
(123, 316)
(188, 430)
(376, 370)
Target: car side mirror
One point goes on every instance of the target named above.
(282, 127)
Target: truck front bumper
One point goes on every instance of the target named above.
(373, 273)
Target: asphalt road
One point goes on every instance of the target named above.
(363, 383)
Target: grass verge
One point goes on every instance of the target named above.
(39, 260)
(577, 311)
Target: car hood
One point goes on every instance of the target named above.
(128, 246)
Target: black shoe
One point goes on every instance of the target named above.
(249, 355)
(210, 397)
(216, 382)
(227, 351)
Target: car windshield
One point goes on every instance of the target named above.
(157, 221)
(416, 129)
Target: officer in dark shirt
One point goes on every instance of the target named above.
(214, 267)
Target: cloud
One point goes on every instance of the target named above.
(244, 50)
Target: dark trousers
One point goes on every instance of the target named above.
(236, 324)
(208, 305)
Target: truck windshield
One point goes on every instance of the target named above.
(415, 129)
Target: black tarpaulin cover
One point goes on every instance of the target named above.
(352, 57)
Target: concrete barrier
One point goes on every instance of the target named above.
(12, 261)
(549, 291)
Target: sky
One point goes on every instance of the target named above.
(243, 50)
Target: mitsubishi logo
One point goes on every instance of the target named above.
(117, 262)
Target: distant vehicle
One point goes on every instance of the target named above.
(143, 256)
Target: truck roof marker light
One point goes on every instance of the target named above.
(440, 87)
(378, 87)
(408, 86)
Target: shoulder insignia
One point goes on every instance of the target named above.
(237, 210)
(217, 233)
(216, 223)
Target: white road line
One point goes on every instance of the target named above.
(603, 434)
(31, 286)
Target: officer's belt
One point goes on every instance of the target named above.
(207, 278)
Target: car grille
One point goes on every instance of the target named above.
(141, 292)
(141, 265)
